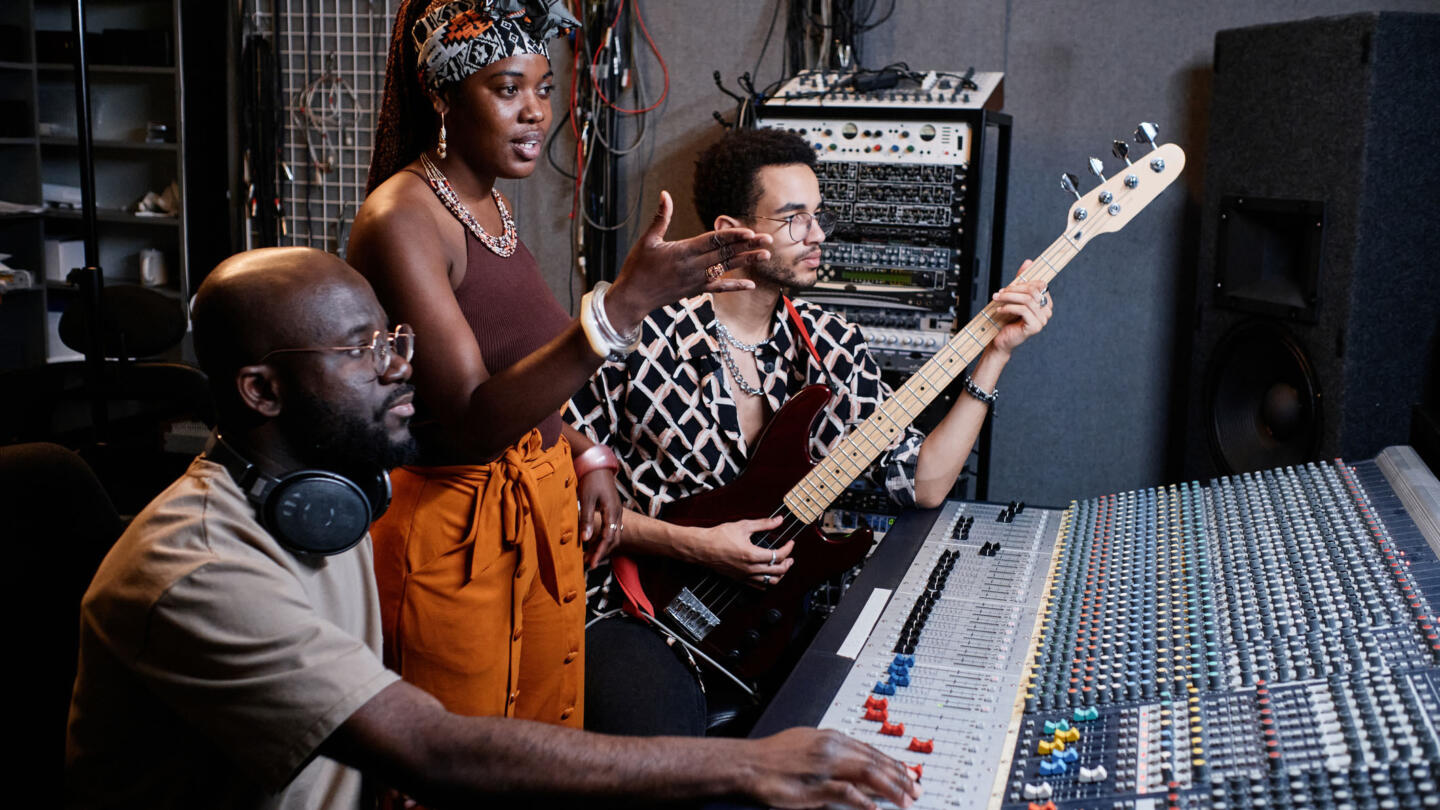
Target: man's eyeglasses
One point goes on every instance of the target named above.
(800, 223)
(383, 347)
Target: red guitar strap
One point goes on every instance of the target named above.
(804, 335)
(627, 575)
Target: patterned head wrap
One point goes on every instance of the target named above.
(459, 38)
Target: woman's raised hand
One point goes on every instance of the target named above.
(657, 272)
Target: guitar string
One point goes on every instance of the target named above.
(730, 589)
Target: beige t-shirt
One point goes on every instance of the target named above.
(213, 662)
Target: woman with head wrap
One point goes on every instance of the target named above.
(479, 559)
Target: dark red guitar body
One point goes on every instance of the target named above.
(755, 626)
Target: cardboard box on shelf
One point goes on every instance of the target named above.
(62, 256)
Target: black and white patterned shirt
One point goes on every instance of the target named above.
(669, 414)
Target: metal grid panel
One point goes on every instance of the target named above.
(332, 63)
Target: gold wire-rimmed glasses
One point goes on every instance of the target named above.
(383, 347)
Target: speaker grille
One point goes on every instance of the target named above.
(1262, 401)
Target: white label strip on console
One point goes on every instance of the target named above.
(860, 630)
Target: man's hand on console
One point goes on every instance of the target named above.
(806, 767)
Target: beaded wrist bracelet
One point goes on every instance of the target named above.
(974, 390)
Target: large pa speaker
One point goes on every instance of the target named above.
(1316, 303)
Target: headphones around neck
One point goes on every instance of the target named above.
(307, 511)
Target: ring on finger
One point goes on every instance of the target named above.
(715, 271)
(715, 241)
(765, 579)
(772, 556)
(1045, 298)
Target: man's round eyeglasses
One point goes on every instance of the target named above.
(800, 223)
(383, 347)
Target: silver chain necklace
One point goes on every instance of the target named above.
(730, 363)
(724, 332)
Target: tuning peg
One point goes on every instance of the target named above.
(1097, 168)
(1146, 132)
(1070, 183)
(1121, 150)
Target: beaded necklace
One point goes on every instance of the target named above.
(502, 245)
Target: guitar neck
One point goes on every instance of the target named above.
(1104, 209)
(854, 454)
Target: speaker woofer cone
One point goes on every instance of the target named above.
(1262, 401)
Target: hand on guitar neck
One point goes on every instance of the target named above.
(1027, 305)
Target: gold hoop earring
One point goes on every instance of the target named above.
(440, 145)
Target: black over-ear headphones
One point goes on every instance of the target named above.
(307, 511)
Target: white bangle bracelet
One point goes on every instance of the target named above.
(604, 339)
(602, 318)
(593, 335)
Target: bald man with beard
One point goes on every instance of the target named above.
(223, 666)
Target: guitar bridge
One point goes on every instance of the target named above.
(691, 615)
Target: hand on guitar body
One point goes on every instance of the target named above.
(729, 549)
(726, 548)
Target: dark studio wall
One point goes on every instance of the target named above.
(1087, 407)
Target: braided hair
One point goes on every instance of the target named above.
(407, 125)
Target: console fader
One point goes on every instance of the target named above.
(1268, 640)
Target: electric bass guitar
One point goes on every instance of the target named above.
(745, 630)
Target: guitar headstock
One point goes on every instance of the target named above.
(1109, 206)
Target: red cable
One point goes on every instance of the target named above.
(594, 82)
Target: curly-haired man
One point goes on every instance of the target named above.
(683, 411)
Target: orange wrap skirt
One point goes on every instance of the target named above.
(482, 584)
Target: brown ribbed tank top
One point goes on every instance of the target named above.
(511, 311)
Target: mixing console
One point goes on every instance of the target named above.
(972, 592)
(1268, 640)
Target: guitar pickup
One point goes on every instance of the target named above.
(691, 615)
